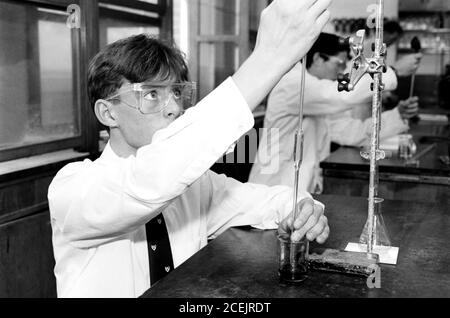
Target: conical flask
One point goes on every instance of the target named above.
(380, 235)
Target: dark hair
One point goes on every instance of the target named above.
(392, 27)
(328, 44)
(137, 59)
(389, 26)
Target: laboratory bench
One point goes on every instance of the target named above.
(427, 178)
(242, 262)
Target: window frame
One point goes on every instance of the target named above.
(163, 9)
(85, 43)
(241, 39)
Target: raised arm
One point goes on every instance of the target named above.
(287, 31)
(140, 186)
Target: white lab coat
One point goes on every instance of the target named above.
(99, 209)
(321, 99)
(348, 131)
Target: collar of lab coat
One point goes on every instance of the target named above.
(110, 156)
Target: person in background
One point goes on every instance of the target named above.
(152, 182)
(353, 132)
(404, 66)
(408, 63)
(353, 127)
(327, 58)
(392, 33)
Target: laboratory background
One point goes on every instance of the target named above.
(46, 122)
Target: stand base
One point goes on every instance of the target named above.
(387, 254)
(330, 260)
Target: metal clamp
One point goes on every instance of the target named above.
(360, 64)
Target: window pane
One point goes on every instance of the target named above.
(37, 101)
(113, 29)
(219, 17)
(217, 62)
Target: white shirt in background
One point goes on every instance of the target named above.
(321, 99)
(348, 131)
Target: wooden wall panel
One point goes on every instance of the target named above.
(26, 258)
(22, 197)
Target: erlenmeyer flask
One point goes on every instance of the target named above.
(380, 235)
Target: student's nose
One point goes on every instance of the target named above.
(173, 109)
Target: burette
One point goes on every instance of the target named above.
(298, 157)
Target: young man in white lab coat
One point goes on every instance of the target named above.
(353, 127)
(158, 159)
(326, 59)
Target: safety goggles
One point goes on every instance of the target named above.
(153, 97)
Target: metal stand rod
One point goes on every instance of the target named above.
(376, 123)
(375, 66)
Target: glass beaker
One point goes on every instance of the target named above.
(293, 260)
(406, 146)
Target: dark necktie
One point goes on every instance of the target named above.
(159, 252)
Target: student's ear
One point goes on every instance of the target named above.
(317, 58)
(105, 114)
